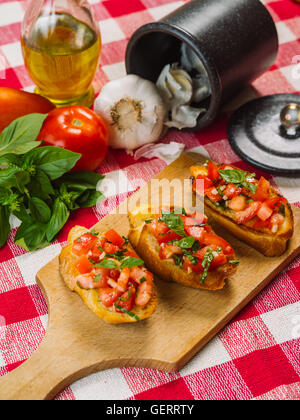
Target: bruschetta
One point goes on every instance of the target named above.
(108, 275)
(246, 206)
(181, 247)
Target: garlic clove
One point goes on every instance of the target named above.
(133, 110)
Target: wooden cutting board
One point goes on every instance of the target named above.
(77, 343)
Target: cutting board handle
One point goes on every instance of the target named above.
(46, 373)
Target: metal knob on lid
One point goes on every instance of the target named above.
(266, 133)
(290, 119)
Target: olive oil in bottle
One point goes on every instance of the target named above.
(62, 55)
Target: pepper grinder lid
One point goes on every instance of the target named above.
(266, 133)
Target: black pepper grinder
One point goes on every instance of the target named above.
(236, 40)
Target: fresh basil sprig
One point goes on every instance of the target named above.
(36, 187)
(131, 262)
(239, 178)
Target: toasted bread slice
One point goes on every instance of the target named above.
(268, 243)
(69, 274)
(148, 247)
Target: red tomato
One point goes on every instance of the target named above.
(276, 202)
(84, 244)
(168, 250)
(213, 171)
(101, 277)
(196, 232)
(126, 301)
(202, 184)
(114, 274)
(113, 237)
(195, 219)
(213, 195)
(248, 214)
(263, 190)
(210, 239)
(17, 103)
(238, 203)
(168, 237)
(232, 191)
(265, 212)
(80, 130)
(111, 248)
(83, 265)
(108, 296)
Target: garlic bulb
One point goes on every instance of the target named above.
(133, 110)
(176, 87)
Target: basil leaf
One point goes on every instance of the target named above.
(90, 199)
(39, 210)
(107, 264)
(82, 179)
(8, 177)
(60, 216)
(185, 243)
(11, 160)
(40, 186)
(233, 176)
(131, 262)
(19, 137)
(54, 161)
(174, 222)
(31, 235)
(4, 225)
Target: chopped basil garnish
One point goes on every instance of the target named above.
(131, 262)
(128, 299)
(178, 259)
(174, 222)
(239, 178)
(143, 279)
(125, 311)
(234, 262)
(78, 240)
(148, 222)
(79, 285)
(107, 264)
(206, 263)
(94, 233)
(97, 278)
(282, 209)
(126, 240)
(185, 243)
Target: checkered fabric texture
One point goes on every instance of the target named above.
(257, 356)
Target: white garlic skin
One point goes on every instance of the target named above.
(135, 128)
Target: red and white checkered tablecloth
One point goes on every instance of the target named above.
(257, 356)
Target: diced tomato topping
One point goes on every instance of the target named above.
(86, 281)
(202, 184)
(211, 239)
(238, 203)
(168, 250)
(126, 301)
(84, 244)
(260, 224)
(101, 277)
(231, 191)
(95, 254)
(157, 227)
(110, 248)
(213, 195)
(213, 172)
(275, 203)
(131, 254)
(188, 265)
(196, 232)
(113, 237)
(108, 296)
(83, 265)
(168, 237)
(248, 214)
(194, 220)
(114, 274)
(265, 212)
(263, 190)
